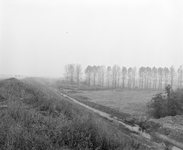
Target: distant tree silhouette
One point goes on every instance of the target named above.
(102, 70)
(66, 74)
(130, 77)
(134, 76)
(141, 77)
(108, 75)
(124, 73)
(148, 78)
(69, 73)
(154, 76)
(180, 77)
(118, 75)
(114, 75)
(160, 75)
(166, 74)
(99, 75)
(94, 72)
(88, 72)
(172, 75)
(78, 73)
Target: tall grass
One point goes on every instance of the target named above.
(39, 120)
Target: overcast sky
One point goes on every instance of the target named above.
(39, 37)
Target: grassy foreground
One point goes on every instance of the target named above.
(37, 119)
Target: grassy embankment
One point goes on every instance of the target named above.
(35, 118)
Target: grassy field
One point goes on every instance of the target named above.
(132, 102)
(35, 118)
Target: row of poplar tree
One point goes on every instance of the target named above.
(116, 76)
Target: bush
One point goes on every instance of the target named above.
(165, 104)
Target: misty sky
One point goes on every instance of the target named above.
(39, 37)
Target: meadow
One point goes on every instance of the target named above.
(133, 102)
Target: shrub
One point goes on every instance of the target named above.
(170, 105)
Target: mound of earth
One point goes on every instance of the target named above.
(15, 89)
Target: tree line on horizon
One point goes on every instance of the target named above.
(123, 77)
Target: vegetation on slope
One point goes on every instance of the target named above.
(37, 119)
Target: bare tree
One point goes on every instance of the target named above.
(94, 72)
(69, 73)
(108, 75)
(99, 74)
(124, 73)
(166, 73)
(172, 75)
(78, 73)
(114, 75)
(180, 76)
(88, 72)
(118, 75)
(154, 75)
(102, 74)
(130, 77)
(160, 74)
(66, 74)
(134, 76)
(147, 77)
(141, 77)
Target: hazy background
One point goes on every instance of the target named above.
(39, 37)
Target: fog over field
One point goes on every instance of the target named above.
(40, 37)
(91, 74)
